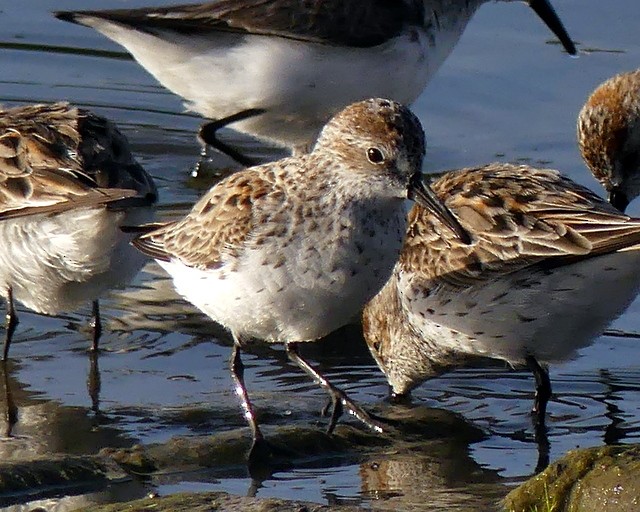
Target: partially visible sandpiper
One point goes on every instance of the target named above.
(550, 266)
(288, 252)
(609, 137)
(278, 69)
(68, 182)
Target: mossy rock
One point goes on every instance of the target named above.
(295, 444)
(603, 479)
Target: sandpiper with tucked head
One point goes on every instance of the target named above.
(68, 182)
(289, 251)
(609, 137)
(550, 266)
(278, 69)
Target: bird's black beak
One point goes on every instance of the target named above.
(618, 199)
(548, 14)
(422, 194)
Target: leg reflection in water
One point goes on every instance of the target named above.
(93, 383)
(11, 411)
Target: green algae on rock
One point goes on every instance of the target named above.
(602, 479)
(297, 444)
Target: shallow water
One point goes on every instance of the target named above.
(503, 94)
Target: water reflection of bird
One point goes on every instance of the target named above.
(46, 433)
(609, 136)
(278, 69)
(437, 475)
(288, 252)
(551, 264)
(67, 182)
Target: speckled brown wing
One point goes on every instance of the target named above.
(218, 225)
(38, 136)
(518, 216)
(357, 23)
(51, 156)
(53, 192)
(57, 136)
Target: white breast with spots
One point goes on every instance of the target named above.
(303, 284)
(549, 314)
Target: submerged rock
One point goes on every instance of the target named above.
(219, 502)
(422, 459)
(602, 479)
(294, 444)
(58, 471)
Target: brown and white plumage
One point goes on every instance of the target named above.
(289, 251)
(67, 182)
(609, 136)
(292, 248)
(549, 266)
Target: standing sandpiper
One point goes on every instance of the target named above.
(289, 251)
(549, 266)
(278, 69)
(68, 182)
(609, 137)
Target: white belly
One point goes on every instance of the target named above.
(300, 292)
(57, 263)
(299, 84)
(548, 315)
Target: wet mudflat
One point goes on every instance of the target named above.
(503, 95)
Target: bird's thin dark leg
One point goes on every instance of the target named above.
(208, 135)
(11, 413)
(338, 397)
(96, 325)
(330, 405)
(544, 447)
(258, 446)
(543, 389)
(618, 199)
(11, 323)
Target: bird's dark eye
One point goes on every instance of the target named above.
(376, 346)
(375, 156)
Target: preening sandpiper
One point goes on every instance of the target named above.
(68, 181)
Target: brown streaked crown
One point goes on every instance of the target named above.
(376, 123)
(608, 131)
